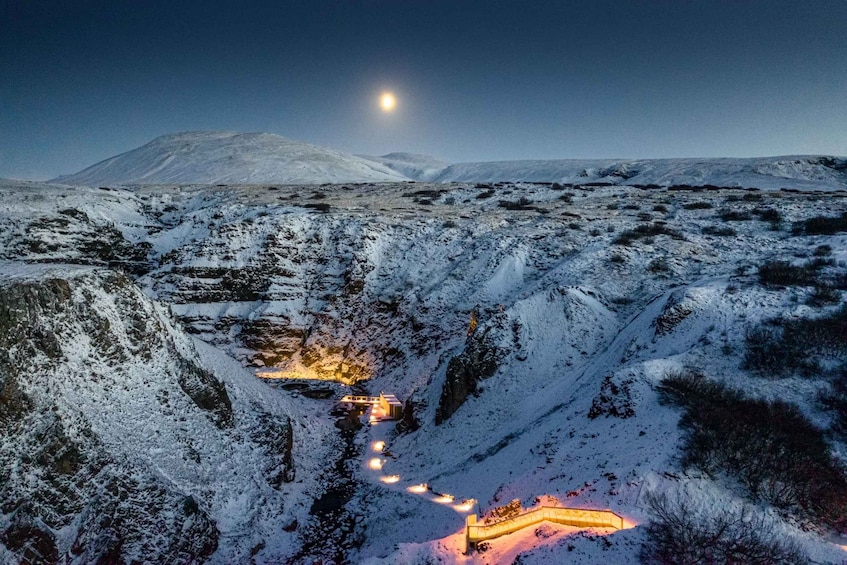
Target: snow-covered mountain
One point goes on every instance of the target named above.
(262, 158)
(584, 300)
(230, 158)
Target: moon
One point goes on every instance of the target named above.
(387, 101)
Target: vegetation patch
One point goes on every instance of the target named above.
(822, 251)
(680, 533)
(730, 215)
(522, 203)
(783, 347)
(823, 295)
(834, 400)
(770, 215)
(646, 230)
(697, 205)
(723, 231)
(821, 225)
(770, 448)
(317, 206)
(783, 273)
(659, 266)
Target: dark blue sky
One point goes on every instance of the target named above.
(83, 80)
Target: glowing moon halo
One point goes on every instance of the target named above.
(387, 101)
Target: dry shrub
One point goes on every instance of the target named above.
(770, 448)
(680, 534)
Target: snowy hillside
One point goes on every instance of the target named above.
(262, 158)
(771, 173)
(122, 439)
(560, 346)
(230, 158)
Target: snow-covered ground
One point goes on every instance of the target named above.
(376, 284)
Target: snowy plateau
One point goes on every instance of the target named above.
(664, 339)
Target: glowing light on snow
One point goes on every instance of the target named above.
(279, 374)
(465, 506)
(378, 446)
(390, 479)
(387, 101)
(444, 499)
(375, 463)
(418, 489)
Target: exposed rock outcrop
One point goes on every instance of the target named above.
(675, 311)
(478, 361)
(72, 236)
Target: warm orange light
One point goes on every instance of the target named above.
(375, 463)
(378, 446)
(390, 479)
(465, 506)
(628, 524)
(444, 499)
(418, 489)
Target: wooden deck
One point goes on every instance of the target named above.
(577, 517)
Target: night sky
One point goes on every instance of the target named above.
(83, 80)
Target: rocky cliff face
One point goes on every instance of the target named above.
(477, 361)
(306, 293)
(107, 419)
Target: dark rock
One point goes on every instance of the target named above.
(674, 312)
(276, 436)
(615, 399)
(292, 527)
(207, 392)
(350, 422)
(478, 361)
(409, 422)
(32, 544)
(318, 393)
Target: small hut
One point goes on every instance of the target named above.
(392, 407)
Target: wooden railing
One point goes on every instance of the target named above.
(578, 517)
(360, 399)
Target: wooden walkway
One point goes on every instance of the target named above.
(578, 517)
(386, 403)
(350, 399)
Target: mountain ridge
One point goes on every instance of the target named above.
(263, 158)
